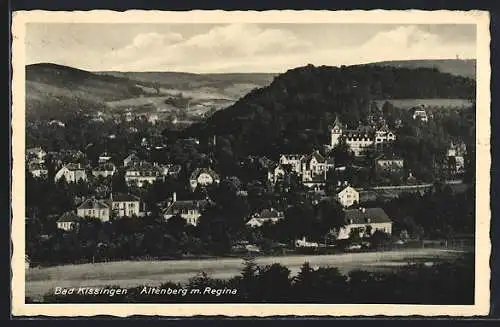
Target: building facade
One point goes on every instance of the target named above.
(347, 196)
(72, 173)
(203, 177)
(125, 205)
(362, 138)
(93, 208)
(364, 222)
(189, 210)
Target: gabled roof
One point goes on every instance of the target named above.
(384, 129)
(185, 204)
(94, 204)
(68, 217)
(343, 188)
(122, 197)
(359, 132)
(374, 215)
(319, 158)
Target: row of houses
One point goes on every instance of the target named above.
(363, 221)
(116, 206)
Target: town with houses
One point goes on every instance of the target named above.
(311, 170)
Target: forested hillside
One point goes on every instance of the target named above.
(297, 107)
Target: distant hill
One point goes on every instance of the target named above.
(293, 113)
(459, 67)
(53, 90)
(199, 86)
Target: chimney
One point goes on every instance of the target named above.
(174, 197)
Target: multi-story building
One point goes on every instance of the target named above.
(142, 173)
(364, 222)
(125, 205)
(387, 163)
(189, 210)
(94, 208)
(347, 196)
(72, 173)
(362, 138)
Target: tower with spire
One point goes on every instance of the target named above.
(336, 132)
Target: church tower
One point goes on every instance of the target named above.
(336, 132)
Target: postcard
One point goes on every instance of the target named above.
(243, 163)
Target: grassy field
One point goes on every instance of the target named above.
(39, 281)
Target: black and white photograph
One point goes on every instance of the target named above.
(320, 163)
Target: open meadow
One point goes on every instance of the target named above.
(40, 281)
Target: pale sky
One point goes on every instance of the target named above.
(224, 48)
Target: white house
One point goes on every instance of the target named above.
(93, 208)
(125, 205)
(384, 136)
(203, 177)
(142, 173)
(314, 167)
(420, 114)
(347, 196)
(364, 221)
(72, 173)
(276, 173)
(104, 170)
(189, 210)
(293, 160)
(68, 221)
